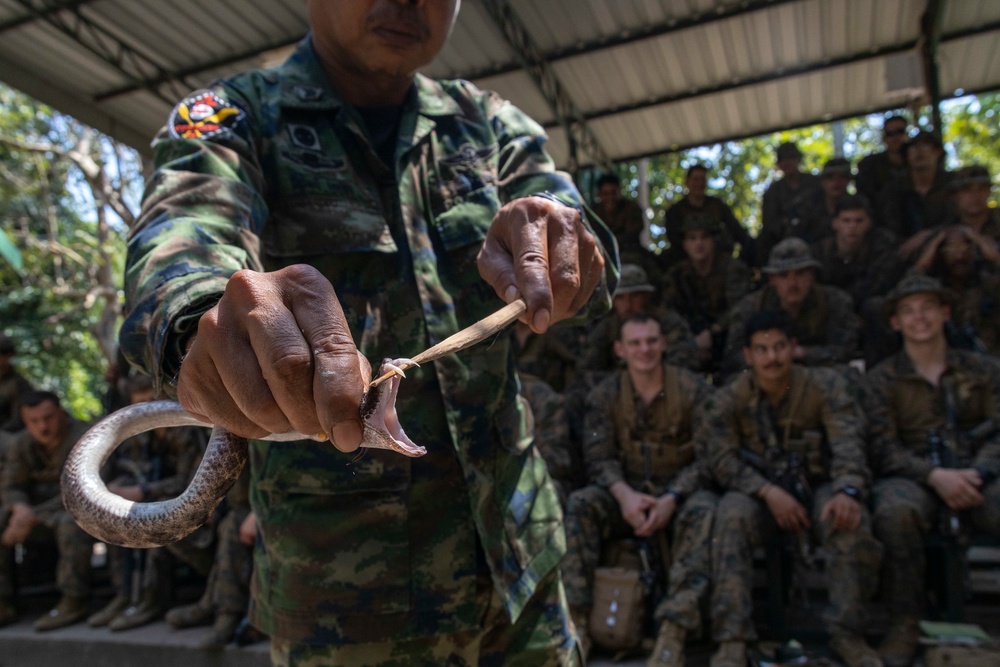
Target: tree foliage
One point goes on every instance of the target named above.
(64, 193)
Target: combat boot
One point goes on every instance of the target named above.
(147, 611)
(118, 604)
(855, 651)
(7, 612)
(222, 632)
(71, 609)
(190, 616)
(730, 654)
(669, 649)
(900, 646)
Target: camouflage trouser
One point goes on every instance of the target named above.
(905, 513)
(594, 518)
(541, 637)
(228, 588)
(743, 524)
(74, 547)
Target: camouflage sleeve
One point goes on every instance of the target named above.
(600, 453)
(844, 424)
(681, 348)
(697, 475)
(721, 436)
(736, 318)
(737, 281)
(201, 212)
(526, 170)
(843, 332)
(889, 456)
(987, 456)
(186, 448)
(15, 479)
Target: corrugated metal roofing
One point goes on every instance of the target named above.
(646, 76)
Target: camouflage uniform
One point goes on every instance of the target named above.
(731, 231)
(872, 271)
(875, 172)
(31, 476)
(906, 212)
(976, 311)
(292, 177)
(826, 326)
(551, 356)
(902, 407)
(552, 435)
(819, 420)
(782, 210)
(621, 434)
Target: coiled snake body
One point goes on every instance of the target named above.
(115, 520)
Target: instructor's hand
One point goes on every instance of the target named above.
(539, 250)
(275, 355)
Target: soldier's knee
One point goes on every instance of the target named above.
(735, 512)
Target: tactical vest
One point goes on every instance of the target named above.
(656, 451)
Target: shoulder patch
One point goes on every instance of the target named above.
(203, 116)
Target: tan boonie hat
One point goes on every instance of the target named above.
(916, 283)
(700, 221)
(789, 255)
(633, 279)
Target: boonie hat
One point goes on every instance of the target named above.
(633, 279)
(791, 254)
(916, 283)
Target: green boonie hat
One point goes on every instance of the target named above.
(791, 254)
(700, 221)
(633, 279)
(971, 175)
(788, 149)
(916, 283)
(837, 165)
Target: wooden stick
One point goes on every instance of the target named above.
(467, 337)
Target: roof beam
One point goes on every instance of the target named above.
(578, 134)
(35, 14)
(128, 61)
(778, 75)
(930, 39)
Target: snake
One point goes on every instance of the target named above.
(116, 520)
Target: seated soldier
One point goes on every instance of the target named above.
(913, 206)
(819, 209)
(552, 435)
(33, 510)
(825, 324)
(634, 294)
(971, 188)
(784, 200)
(644, 473)
(227, 591)
(926, 404)
(877, 170)
(951, 256)
(704, 286)
(788, 446)
(149, 467)
(626, 220)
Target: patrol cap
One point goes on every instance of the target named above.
(788, 149)
(971, 175)
(837, 165)
(923, 136)
(6, 344)
(700, 221)
(791, 254)
(917, 283)
(633, 279)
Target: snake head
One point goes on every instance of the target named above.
(382, 429)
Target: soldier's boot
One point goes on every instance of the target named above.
(190, 616)
(855, 651)
(900, 646)
(7, 612)
(581, 621)
(148, 610)
(222, 632)
(669, 649)
(730, 654)
(71, 609)
(118, 604)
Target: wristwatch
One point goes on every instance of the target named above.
(851, 492)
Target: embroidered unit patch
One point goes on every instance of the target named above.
(203, 116)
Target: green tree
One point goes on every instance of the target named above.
(64, 193)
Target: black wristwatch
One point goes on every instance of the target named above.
(851, 492)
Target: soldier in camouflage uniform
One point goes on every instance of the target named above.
(149, 467)
(877, 170)
(552, 435)
(704, 286)
(785, 200)
(627, 221)
(788, 445)
(33, 510)
(971, 188)
(826, 327)
(924, 390)
(368, 193)
(12, 387)
(818, 211)
(644, 469)
(551, 356)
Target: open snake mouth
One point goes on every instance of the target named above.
(383, 418)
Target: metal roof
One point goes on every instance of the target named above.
(628, 77)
